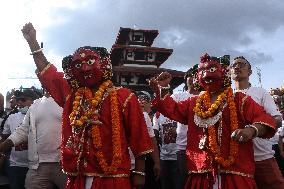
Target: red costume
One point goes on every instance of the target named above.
(227, 164)
(97, 153)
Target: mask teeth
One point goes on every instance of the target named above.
(88, 76)
(210, 81)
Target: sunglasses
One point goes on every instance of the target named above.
(238, 65)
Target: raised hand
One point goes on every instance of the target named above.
(29, 32)
(163, 80)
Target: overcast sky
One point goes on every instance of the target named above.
(251, 28)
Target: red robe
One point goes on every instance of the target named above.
(200, 163)
(133, 133)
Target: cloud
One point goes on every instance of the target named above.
(190, 27)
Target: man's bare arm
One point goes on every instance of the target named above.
(29, 34)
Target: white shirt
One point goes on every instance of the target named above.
(149, 124)
(181, 140)
(17, 158)
(262, 147)
(167, 129)
(280, 132)
(42, 129)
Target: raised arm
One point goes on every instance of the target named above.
(52, 80)
(29, 34)
(164, 103)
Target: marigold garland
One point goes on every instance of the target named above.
(204, 102)
(79, 118)
(117, 156)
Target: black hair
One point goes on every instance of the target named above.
(243, 58)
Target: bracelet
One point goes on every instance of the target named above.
(139, 173)
(255, 129)
(36, 51)
(167, 87)
(164, 91)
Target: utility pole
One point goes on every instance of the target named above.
(258, 71)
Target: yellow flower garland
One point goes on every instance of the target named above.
(91, 116)
(211, 110)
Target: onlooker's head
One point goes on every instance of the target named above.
(13, 100)
(240, 69)
(1, 104)
(25, 98)
(144, 99)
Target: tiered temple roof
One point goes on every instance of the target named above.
(134, 59)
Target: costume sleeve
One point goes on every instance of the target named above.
(21, 133)
(177, 111)
(254, 113)
(55, 83)
(135, 126)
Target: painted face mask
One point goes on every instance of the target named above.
(87, 67)
(213, 72)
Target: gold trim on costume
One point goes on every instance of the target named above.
(145, 152)
(44, 69)
(236, 173)
(168, 94)
(222, 171)
(97, 175)
(126, 101)
(200, 171)
(243, 103)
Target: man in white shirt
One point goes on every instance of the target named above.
(19, 154)
(168, 150)
(42, 129)
(267, 173)
(181, 140)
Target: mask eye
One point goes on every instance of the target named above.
(78, 65)
(91, 61)
(212, 69)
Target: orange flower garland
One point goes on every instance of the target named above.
(204, 99)
(94, 101)
(215, 149)
(117, 156)
(91, 116)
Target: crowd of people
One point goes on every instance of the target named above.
(83, 132)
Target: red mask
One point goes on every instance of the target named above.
(210, 74)
(88, 67)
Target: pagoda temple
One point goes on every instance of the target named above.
(134, 59)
